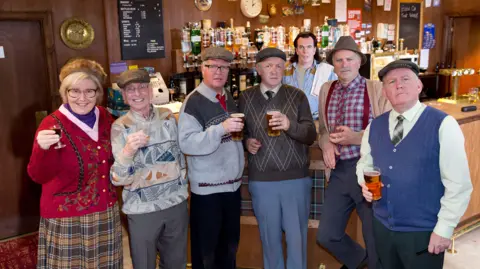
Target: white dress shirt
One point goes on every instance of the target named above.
(454, 171)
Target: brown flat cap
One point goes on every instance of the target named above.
(83, 65)
(132, 76)
(217, 53)
(398, 64)
(346, 43)
(270, 52)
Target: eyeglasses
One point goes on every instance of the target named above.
(142, 87)
(214, 68)
(309, 47)
(76, 93)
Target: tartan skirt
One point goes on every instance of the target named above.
(90, 241)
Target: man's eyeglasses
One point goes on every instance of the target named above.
(214, 68)
(142, 87)
(75, 93)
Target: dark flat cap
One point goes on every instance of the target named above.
(270, 52)
(398, 64)
(346, 43)
(217, 53)
(132, 76)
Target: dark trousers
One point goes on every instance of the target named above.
(341, 197)
(398, 250)
(215, 230)
(166, 231)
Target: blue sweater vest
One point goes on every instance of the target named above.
(410, 172)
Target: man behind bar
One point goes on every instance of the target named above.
(420, 152)
(306, 71)
(215, 165)
(346, 106)
(279, 182)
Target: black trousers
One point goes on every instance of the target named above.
(342, 196)
(398, 250)
(215, 230)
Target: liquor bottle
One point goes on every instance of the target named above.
(234, 87)
(196, 38)
(173, 90)
(248, 31)
(325, 33)
(256, 78)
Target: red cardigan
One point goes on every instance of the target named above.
(75, 179)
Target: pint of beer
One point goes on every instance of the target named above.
(270, 130)
(238, 136)
(373, 181)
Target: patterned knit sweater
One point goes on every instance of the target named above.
(154, 179)
(284, 157)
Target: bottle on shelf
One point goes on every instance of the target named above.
(196, 37)
(234, 90)
(248, 31)
(325, 33)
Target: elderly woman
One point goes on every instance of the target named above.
(71, 157)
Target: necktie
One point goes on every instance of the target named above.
(398, 131)
(269, 94)
(221, 100)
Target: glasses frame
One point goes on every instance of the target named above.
(84, 93)
(214, 68)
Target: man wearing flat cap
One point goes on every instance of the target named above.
(278, 161)
(346, 107)
(215, 164)
(424, 171)
(151, 168)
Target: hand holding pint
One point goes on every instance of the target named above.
(372, 176)
(238, 135)
(271, 132)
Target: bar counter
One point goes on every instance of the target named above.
(250, 251)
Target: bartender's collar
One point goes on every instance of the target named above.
(410, 114)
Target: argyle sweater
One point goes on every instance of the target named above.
(286, 156)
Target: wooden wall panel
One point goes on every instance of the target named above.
(90, 10)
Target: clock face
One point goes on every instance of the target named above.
(251, 8)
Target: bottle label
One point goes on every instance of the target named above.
(323, 34)
(196, 38)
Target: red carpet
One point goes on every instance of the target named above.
(19, 252)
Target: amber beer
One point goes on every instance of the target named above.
(373, 182)
(270, 130)
(238, 136)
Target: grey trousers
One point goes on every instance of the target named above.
(341, 197)
(164, 231)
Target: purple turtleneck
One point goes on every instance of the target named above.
(89, 118)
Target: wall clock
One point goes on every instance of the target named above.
(251, 8)
(203, 5)
(77, 33)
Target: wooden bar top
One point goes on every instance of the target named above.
(455, 111)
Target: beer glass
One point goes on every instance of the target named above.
(270, 131)
(58, 131)
(238, 136)
(373, 181)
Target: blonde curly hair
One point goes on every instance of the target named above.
(79, 69)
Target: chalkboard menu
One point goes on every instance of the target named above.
(141, 29)
(409, 24)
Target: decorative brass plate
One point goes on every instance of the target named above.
(77, 33)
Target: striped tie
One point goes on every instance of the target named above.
(398, 131)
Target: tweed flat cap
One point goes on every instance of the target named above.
(270, 52)
(217, 53)
(132, 76)
(398, 64)
(346, 43)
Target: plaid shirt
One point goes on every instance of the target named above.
(346, 109)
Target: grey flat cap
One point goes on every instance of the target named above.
(132, 76)
(270, 52)
(217, 53)
(398, 64)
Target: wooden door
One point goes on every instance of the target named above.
(466, 49)
(24, 89)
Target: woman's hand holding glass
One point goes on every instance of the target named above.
(46, 138)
